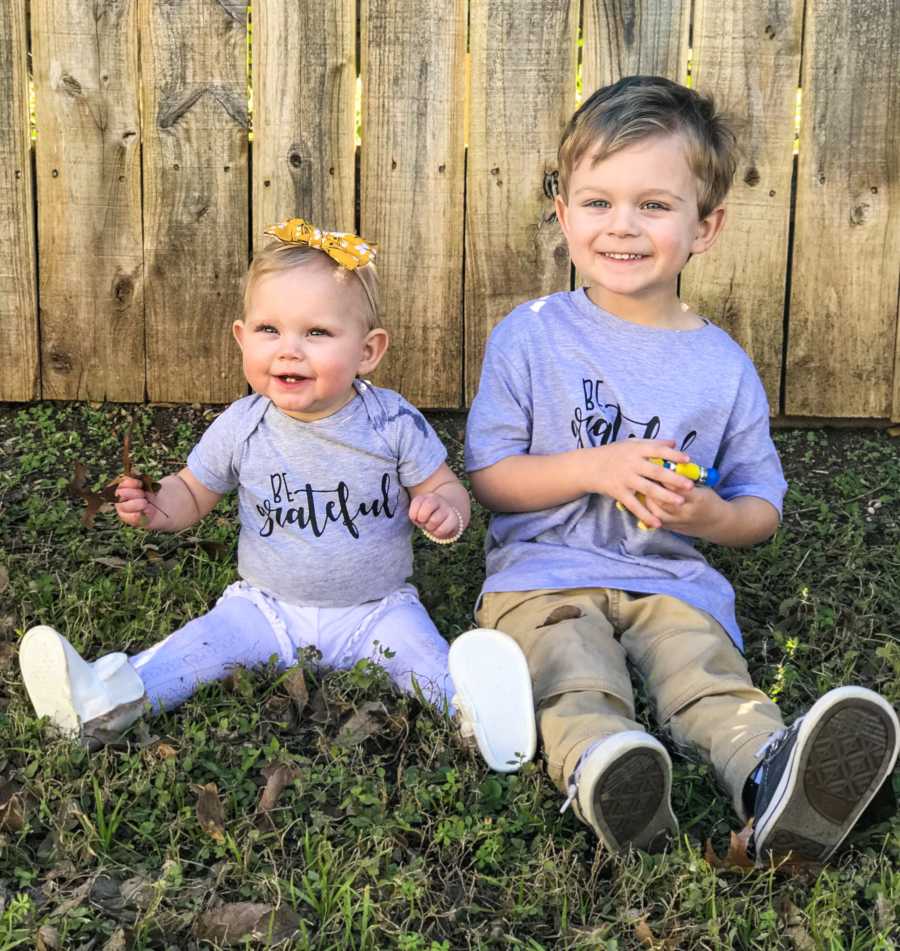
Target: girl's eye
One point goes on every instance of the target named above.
(597, 203)
(319, 332)
(266, 329)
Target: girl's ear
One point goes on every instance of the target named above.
(708, 230)
(237, 328)
(374, 348)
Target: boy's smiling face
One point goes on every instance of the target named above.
(632, 221)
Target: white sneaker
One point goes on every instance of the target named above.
(493, 697)
(623, 787)
(76, 696)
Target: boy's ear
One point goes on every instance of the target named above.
(562, 211)
(708, 230)
(374, 348)
(237, 328)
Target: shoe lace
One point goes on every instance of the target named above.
(571, 793)
(776, 740)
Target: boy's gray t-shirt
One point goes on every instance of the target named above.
(323, 508)
(560, 373)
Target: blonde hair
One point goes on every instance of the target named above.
(278, 257)
(638, 107)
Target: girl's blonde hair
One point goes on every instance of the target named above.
(639, 107)
(275, 258)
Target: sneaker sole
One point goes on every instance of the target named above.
(631, 796)
(490, 674)
(45, 673)
(842, 755)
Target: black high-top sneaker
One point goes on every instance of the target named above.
(622, 789)
(818, 775)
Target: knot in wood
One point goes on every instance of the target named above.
(551, 184)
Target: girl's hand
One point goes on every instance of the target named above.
(132, 505)
(435, 515)
(623, 470)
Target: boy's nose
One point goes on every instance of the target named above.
(622, 221)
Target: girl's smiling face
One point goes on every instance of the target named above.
(631, 221)
(304, 339)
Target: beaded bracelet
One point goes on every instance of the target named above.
(454, 537)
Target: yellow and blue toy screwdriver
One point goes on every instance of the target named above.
(690, 470)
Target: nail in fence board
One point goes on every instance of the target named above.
(85, 59)
(841, 353)
(304, 83)
(18, 316)
(413, 58)
(747, 55)
(522, 91)
(194, 68)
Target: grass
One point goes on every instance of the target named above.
(401, 839)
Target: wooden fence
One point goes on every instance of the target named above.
(127, 220)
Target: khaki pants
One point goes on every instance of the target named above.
(577, 642)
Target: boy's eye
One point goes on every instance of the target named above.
(597, 203)
(266, 329)
(655, 206)
(319, 332)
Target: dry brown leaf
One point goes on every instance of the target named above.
(12, 807)
(164, 751)
(47, 939)
(364, 723)
(893, 431)
(117, 941)
(4, 578)
(295, 684)
(736, 856)
(795, 926)
(236, 922)
(277, 777)
(8, 656)
(210, 813)
(643, 933)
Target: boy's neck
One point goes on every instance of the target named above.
(663, 310)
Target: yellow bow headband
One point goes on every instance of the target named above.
(349, 250)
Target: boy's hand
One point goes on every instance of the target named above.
(623, 469)
(701, 512)
(435, 515)
(133, 506)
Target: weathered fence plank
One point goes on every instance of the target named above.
(304, 76)
(18, 315)
(841, 355)
(747, 54)
(89, 190)
(629, 37)
(413, 54)
(523, 55)
(194, 67)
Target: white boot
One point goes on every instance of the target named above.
(76, 696)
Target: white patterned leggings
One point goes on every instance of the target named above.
(247, 628)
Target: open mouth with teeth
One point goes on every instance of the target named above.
(616, 256)
(290, 380)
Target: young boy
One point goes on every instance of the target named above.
(590, 554)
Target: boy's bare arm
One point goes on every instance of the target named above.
(182, 501)
(738, 523)
(622, 470)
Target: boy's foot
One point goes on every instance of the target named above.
(79, 699)
(493, 697)
(622, 788)
(818, 775)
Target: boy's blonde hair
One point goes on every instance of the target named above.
(638, 107)
(278, 257)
